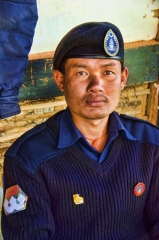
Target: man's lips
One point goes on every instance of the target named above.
(96, 101)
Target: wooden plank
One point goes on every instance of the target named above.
(152, 104)
(138, 44)
(43, 105)
(44, 55)
(12, 136)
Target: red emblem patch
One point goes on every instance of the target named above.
(12, 191)
(139, 189)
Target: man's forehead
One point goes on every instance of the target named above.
(86, 62)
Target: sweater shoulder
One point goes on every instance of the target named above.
(34, 147)
(142, 130)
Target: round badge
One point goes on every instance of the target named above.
(139, 189)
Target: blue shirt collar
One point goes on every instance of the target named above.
(69, 134)
(116, 125)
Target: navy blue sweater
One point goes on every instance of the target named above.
(110, 210)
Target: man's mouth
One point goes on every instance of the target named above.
(96, 101)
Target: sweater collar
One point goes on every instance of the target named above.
(69, 134)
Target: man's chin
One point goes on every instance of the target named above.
(96, 114)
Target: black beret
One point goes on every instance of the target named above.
(90, 40)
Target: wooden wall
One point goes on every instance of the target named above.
(142, 59)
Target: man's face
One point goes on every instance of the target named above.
(91, 86)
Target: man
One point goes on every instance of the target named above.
(87, 173)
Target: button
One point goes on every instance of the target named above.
(139, 189)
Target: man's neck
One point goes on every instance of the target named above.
(94, 130)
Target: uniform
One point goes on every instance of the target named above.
(54, 177)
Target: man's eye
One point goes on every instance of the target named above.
(108, 72)
(81, 73)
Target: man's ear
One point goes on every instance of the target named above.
(124, 77)
(58, 77)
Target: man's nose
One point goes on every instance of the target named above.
(95, 84)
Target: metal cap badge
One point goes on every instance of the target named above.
(111, 44)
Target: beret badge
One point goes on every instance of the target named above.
(111, 44)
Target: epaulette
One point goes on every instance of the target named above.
(36, 146)
(142, 130)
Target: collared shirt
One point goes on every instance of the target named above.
(69, 135)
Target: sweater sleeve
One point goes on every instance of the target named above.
(18, 21)
(152, 205)
(36, 221)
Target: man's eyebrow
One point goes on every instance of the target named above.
(78, 65)
(108, 65)
(81, 65)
